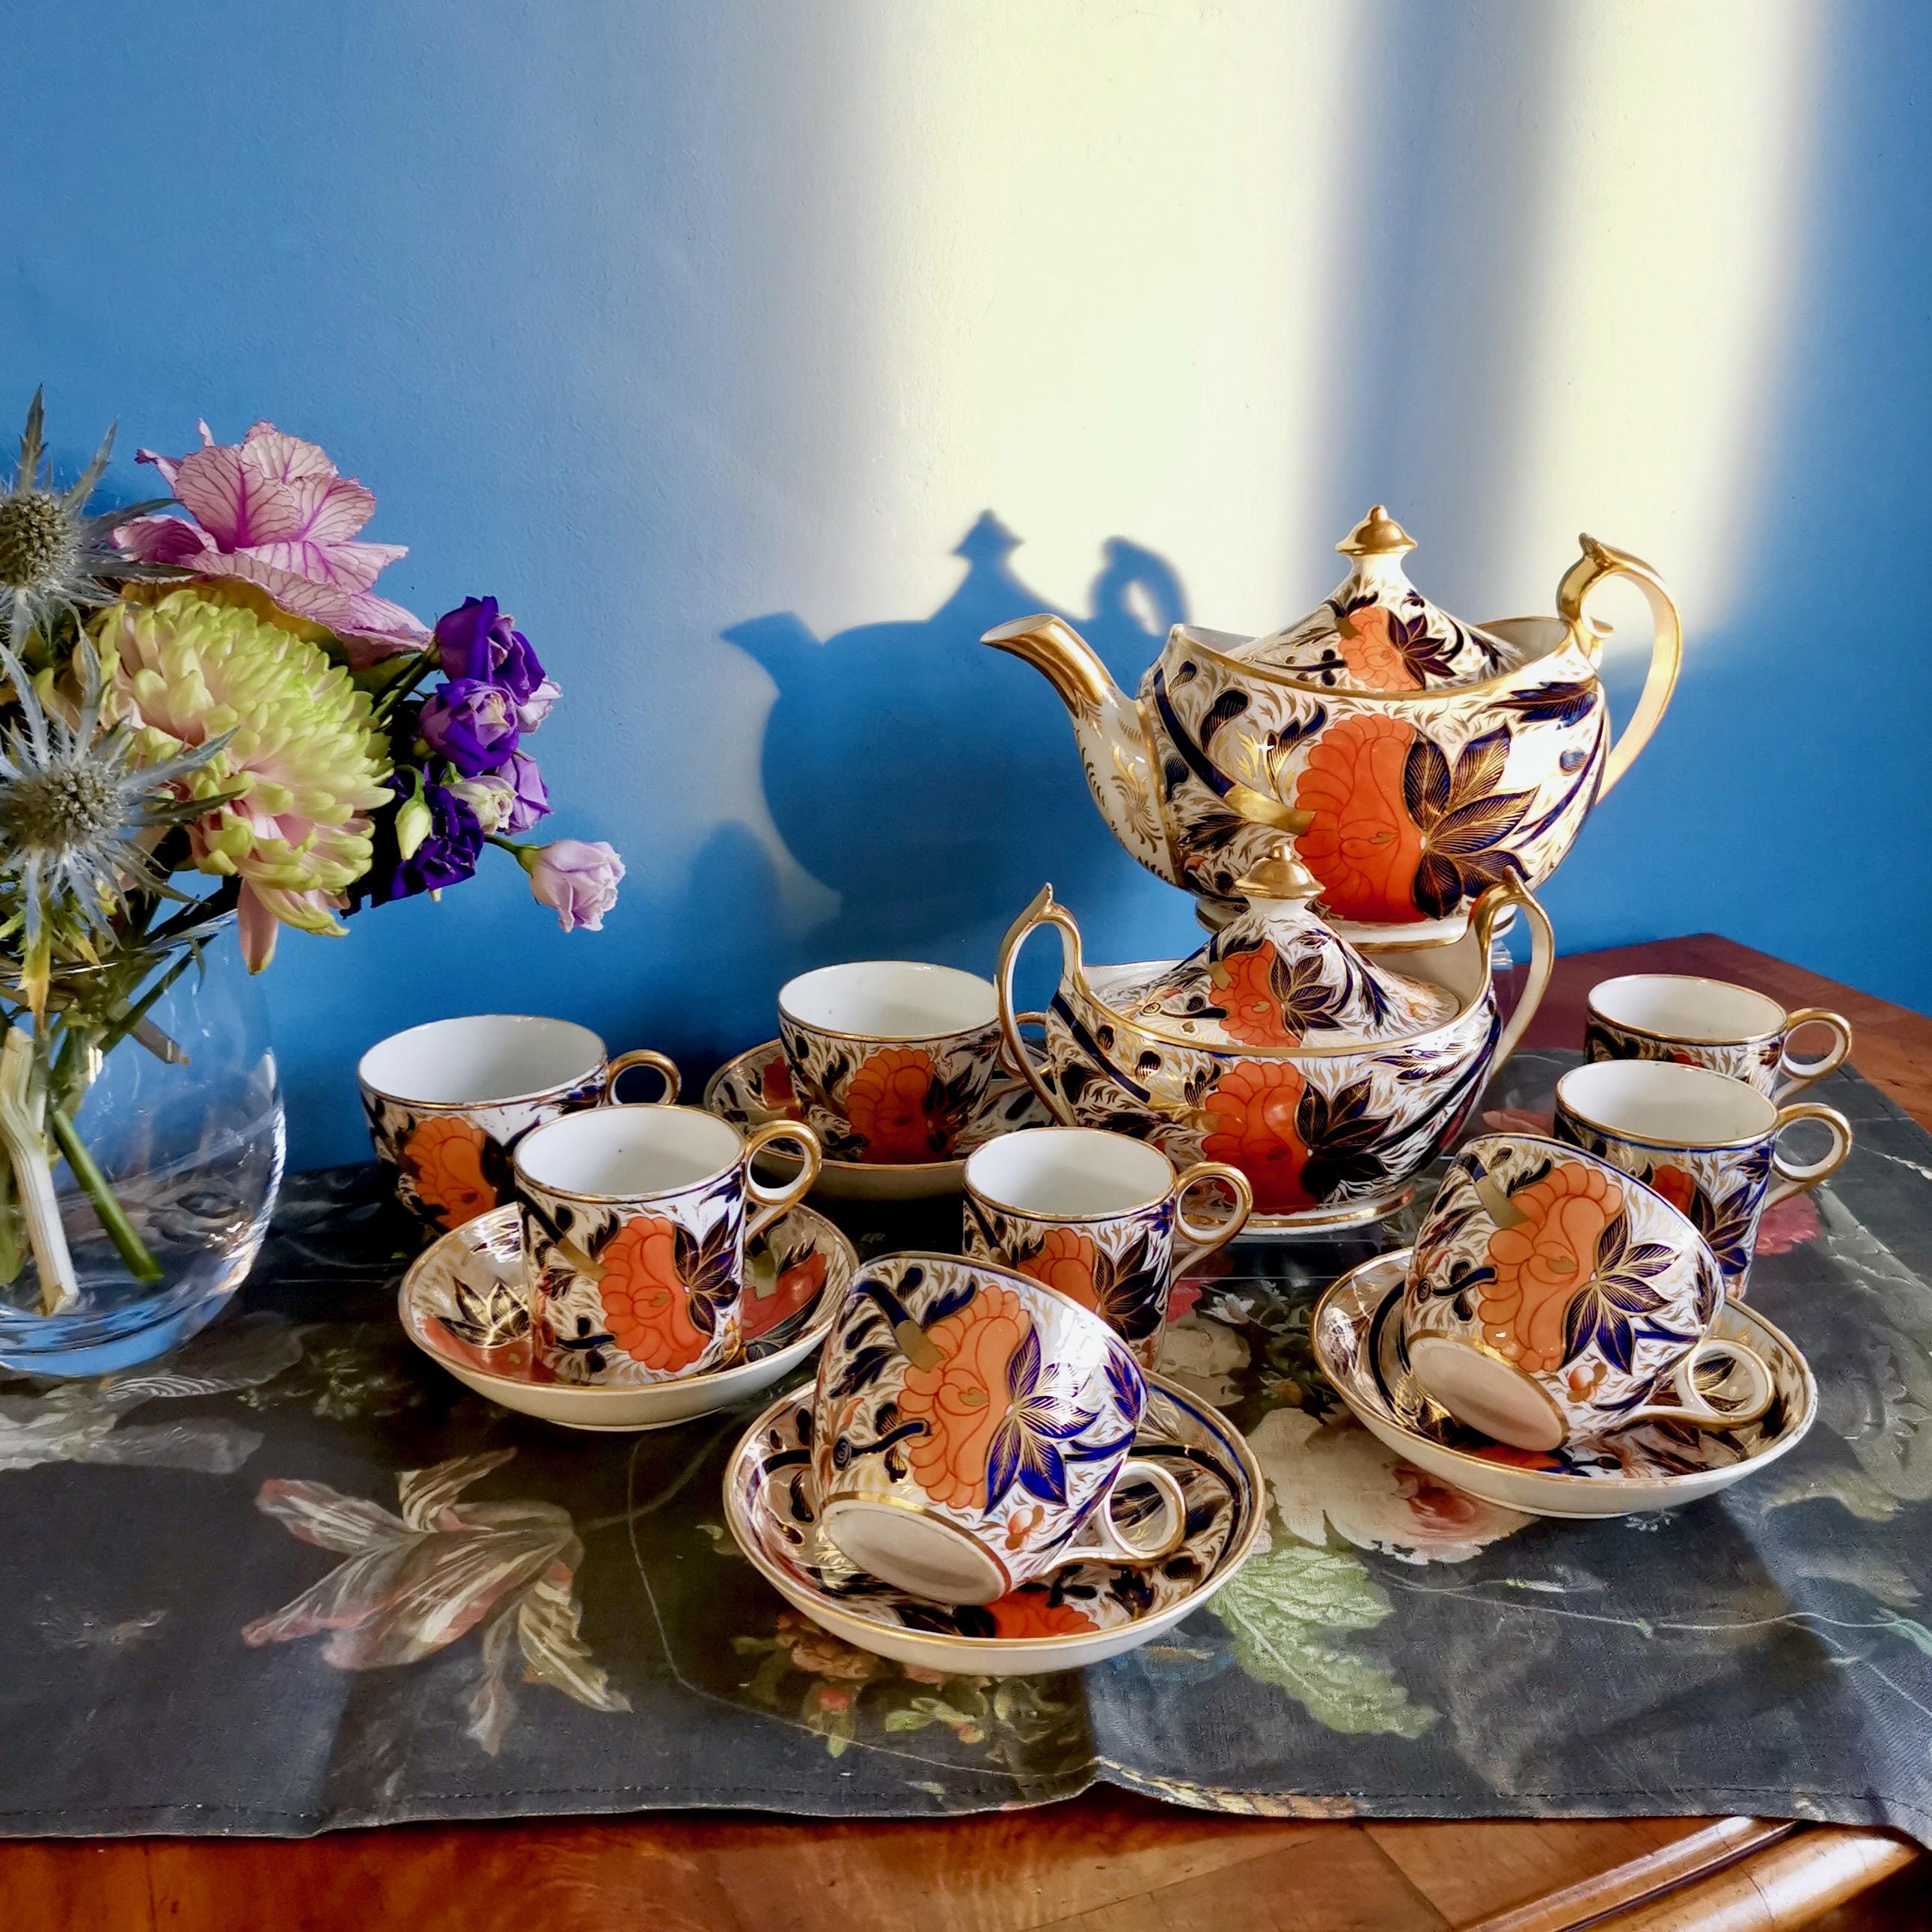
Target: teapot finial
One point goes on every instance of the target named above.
(1281, 875)
(1377, 535)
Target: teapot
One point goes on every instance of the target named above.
(1416, 760)
(1330, 1080)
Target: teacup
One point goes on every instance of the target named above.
(971, 1431)
(635, 1220)
(1551, 1297)
(447, 1101)
(1093, 1215)
(889, 1059)
(1708, 1144)
(1732, 1030)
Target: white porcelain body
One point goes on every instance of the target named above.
(1729, 1030)
(1094, 1216)
(463, 1302)
(1357, 1336)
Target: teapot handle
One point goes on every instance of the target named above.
(1043, 911)
(1542, 956)
(1599, 562)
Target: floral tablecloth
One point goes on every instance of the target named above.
(293, 1577)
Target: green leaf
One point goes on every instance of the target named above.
(907, 1720)
(1280, 1609)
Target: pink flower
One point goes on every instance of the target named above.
(576, 878)
(271, 510)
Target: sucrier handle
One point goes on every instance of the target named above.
(1043, 911)
(1542, 955)
(1598, 563)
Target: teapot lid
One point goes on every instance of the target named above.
(1277, 978)
(1376, 631)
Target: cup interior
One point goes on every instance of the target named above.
(485, 1059)
(1681, 1006)
(1070, 1173)
(625, 1153)
(1661, 1103)
(889, 999)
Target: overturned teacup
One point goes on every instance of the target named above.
(1730, 1029)
(635, 1220)
(1551, 1297)
(890, 1059)
(447, 1101)
(1094, 1216)
(972, 1430)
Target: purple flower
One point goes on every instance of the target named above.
(472, 724)
(536, 708)
(445, 855)
(530, 801)
(476, 642)
(576, 878)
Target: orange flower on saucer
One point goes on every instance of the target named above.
(1244, 984)
(775, 1087)
(1064, 1262)
(446, 1157)
(963, 1398)
(1030, 1613)
(1542, 1261)
(1251, 1125)
(1364, 846)
(799, 1285)
(1373, 661)
(646, 1304)
(889, 1103)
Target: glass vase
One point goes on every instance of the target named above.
(191, 1148)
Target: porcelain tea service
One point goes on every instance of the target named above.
(1094, 1216)
(1731, 1029)
(1415, 759)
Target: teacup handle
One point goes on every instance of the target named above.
(661, 1064)
(773, 1201)
(1098, 1536)
(1696, 1409)
(1215, 1236)
(1800, 1074)
(1795, 1180)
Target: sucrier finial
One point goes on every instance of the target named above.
(1377, 535)
(1281, 875)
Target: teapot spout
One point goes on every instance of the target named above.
(1115, 751)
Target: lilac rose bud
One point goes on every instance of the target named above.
(476, 641)
(528, 800)
(576, 878)
(472, 724)
(536, 708)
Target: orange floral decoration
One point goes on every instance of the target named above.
(1251, 1125)
(1363, 845)
(1029, 1612)
(962, 1399)
(446, 1158)
(1065, 1263)
(646, 1307)
(886, 1105)
(1373, 661)
(1541, 1262)
(796, 1286)
(1244, 984)
(775, 1087)
(1022, 1525)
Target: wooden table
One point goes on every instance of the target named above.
(1108, 1862)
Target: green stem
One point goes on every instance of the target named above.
(132, 1017)
(112, 1217)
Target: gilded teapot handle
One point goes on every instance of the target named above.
(1043, 911)
(1599, 562)
(1542, 957)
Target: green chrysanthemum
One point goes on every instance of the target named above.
(302, 756)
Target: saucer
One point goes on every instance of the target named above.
(1081, 1615)
(1358, 1337)
(756, 1088)
(462, 1303)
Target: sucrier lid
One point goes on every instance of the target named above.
(1376, 631)
(1276, 978)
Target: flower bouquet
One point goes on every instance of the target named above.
(209, 720)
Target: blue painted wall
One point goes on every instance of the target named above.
(593, 296)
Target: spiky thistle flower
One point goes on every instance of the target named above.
(54, 559)
(79, 814)
(283, 803)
